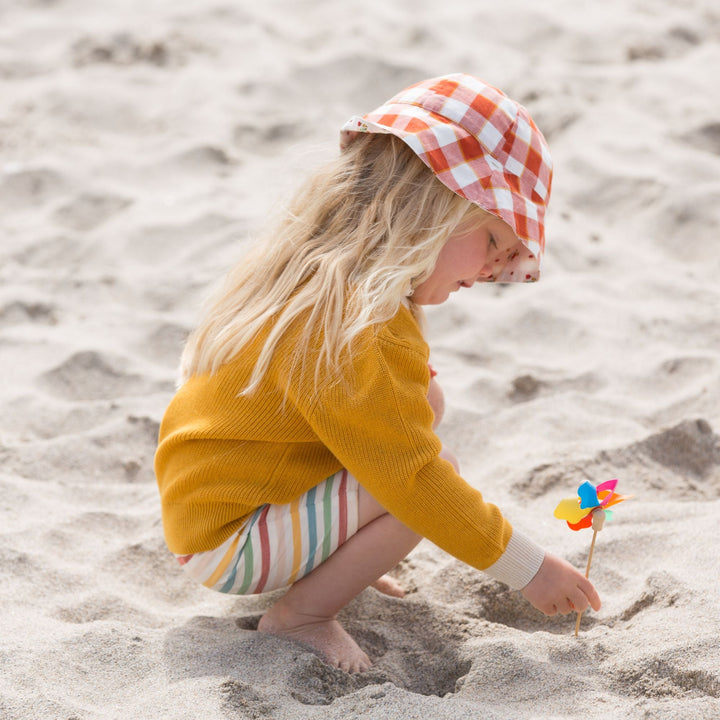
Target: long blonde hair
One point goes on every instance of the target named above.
(354, 241)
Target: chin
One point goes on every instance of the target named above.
(436, 300)
(436, 297)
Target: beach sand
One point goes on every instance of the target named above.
(141, 146)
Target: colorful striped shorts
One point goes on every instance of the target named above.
(279, 544)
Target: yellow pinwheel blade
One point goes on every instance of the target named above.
(569, 509)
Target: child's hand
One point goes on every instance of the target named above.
(559, 588)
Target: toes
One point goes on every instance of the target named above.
(365, 663)
(353, 665)
(389, 586)
(360, 666)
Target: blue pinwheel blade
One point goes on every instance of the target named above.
(588, 495)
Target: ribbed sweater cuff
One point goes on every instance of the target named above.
(519, 564)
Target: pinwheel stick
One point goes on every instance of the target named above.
(598, 518)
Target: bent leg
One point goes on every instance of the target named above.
(307, 612)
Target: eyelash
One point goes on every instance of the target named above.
(492, 242)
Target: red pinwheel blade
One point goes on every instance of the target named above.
(586, 522)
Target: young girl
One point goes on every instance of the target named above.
(299, 450)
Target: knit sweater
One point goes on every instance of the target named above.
(222, 455)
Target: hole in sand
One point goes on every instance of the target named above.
(413, 644)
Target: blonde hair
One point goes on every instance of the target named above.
(353, 243)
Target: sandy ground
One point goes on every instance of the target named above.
(142, 143)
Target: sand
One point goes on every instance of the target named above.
(142, 144)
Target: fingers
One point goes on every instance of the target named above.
(576, 601)
(591, 594)
(561, 607)
(560, 588)
(566, 606)
(583, 597)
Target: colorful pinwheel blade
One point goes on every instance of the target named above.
(586, 522)
(607, 485)
(568, 509)
(615, 499)
(588, 495)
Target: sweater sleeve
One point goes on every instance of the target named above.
(378, 424)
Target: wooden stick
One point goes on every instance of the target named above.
(587, 575)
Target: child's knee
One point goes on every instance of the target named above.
(437, 401)
(368, 507)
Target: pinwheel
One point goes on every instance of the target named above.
(589, 509)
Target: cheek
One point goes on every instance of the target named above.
(481, 257)
(467, 260)
(472, 262)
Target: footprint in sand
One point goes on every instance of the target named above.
(164, 344)
(675, 42)
(20, 312)
(185, 242)
(527, 387)
(87, 211)
(140, 564)
(51, 252)
(202, 157)
(705, 137)
(364, 80)
(91, 375)
(22, 188)
(125, 48)
(266, 138)
(189, 162)
(687, 224)
(99, 607)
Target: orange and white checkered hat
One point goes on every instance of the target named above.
(483, 146)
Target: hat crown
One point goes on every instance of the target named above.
(464, 101)
(480, 144)
(481, 111)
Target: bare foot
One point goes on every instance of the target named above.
(324, 635)
(388, 585)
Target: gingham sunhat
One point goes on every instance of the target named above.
(483, 146)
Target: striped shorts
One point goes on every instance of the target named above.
(279, 544)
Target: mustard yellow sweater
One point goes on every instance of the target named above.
(221, 456)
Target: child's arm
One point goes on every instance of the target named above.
(559, 588)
